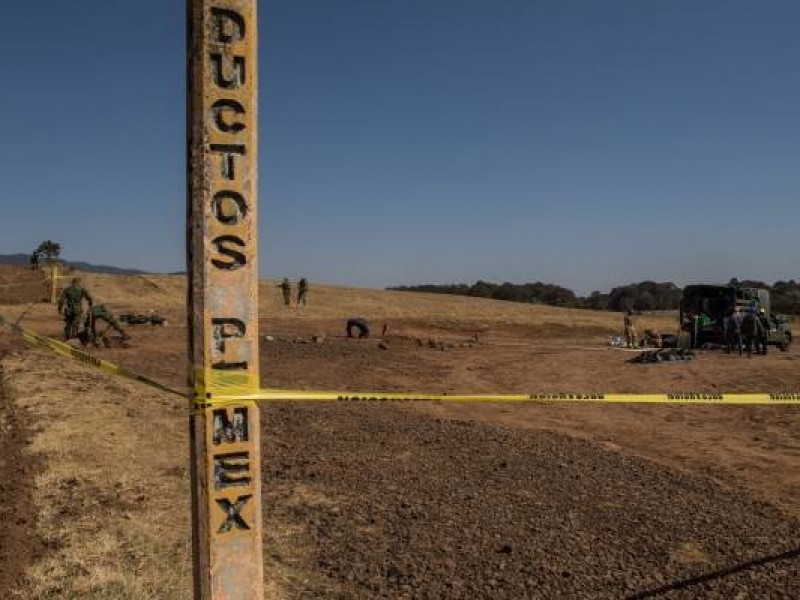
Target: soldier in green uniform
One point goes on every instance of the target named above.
(70, 305)
(733, 335)
(765, 328)
(101, 313)
(752, 331)
(629, 325)
(287, 291)
(302, 291)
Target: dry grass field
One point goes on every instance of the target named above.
(399, 501)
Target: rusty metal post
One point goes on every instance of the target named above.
(223, 298)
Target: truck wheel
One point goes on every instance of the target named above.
(785, 343)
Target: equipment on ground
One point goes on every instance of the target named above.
(151, 319)
(663, 355)
(652, 339)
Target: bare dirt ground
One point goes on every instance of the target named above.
(439, 500)
(394, 504)
(18, 547)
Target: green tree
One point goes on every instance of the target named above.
(49, 250)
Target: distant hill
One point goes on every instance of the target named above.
(24, 259)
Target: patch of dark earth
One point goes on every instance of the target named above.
(20, 546)
(373, 501)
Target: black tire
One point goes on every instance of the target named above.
(785, 343)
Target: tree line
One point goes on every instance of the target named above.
(642, 296)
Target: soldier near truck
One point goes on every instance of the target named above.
(753, 333)
(733, 331)
(70, 306)
(766, 327)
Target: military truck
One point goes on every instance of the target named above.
(703, 307)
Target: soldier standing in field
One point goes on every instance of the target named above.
(302, 291)
(286, 287)
(70, 305)
(629, 323)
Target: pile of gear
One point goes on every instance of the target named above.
(663, 355)
(652, 339)
(149, 319)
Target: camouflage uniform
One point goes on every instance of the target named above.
(765, 327)
(733, 334)
(101, 313)
(70, 304)
(752, 331)
(629, 322)
(302, 291)
(286, 287)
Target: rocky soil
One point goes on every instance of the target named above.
(382, 502)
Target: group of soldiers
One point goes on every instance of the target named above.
(302, 291)
(82, 316)
(82, 324)
(742, 329)
(746, 329)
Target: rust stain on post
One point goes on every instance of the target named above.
(223, 301)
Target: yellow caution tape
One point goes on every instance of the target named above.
(211, 385)
(40, 341)
(222, 388)
(274, 395)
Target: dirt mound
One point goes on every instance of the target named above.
(384, 503)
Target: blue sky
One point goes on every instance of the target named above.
(585, 143)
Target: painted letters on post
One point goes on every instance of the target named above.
(222, 201)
